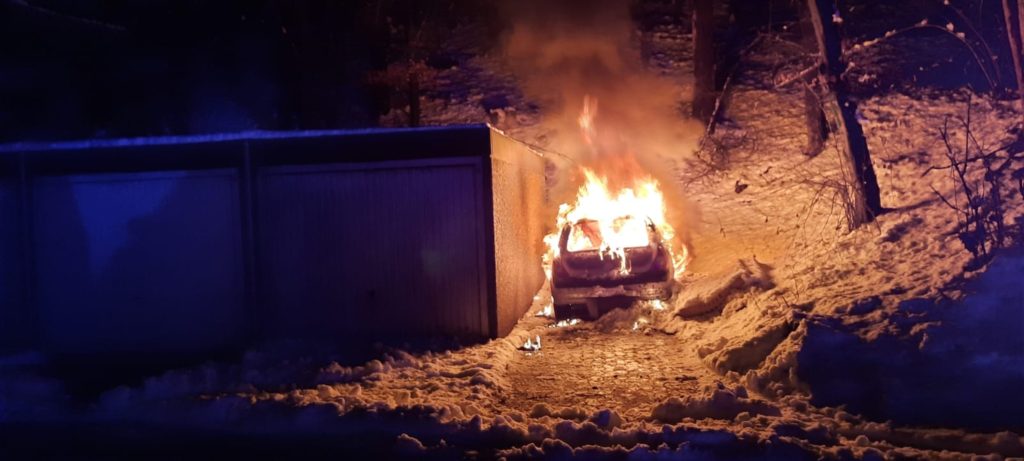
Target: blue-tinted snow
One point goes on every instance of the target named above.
(214, 137)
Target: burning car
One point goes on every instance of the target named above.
(613, 243)
(623, 258)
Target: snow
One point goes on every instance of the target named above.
(719, 403)
(214, 137)
(697, 299)
(24, 393)
(971, 346)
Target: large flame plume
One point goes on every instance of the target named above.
(613, 206)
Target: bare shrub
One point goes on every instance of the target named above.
(980, 204)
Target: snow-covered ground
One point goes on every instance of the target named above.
(789, 338)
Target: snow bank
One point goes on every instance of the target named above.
(741, 353)
(754, 318)
(777, 375)
(714, 293)
(27, 395)
(273, 366)
(947, 363)
(719, 403)
(671, 442)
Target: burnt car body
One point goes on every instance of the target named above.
(587, 278)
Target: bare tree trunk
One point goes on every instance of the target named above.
(703, 59)
(1014, 46)
(814, 118)
(412, 93)
(863, 197)
(1020, 28)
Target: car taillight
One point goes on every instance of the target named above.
(558, 272)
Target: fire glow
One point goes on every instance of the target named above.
(609, 215)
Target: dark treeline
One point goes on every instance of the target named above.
(115, 68)
(82, 69)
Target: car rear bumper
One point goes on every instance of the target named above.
(580, 295)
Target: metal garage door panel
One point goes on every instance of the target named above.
(381, 251)
(139, 261)
(12, 310)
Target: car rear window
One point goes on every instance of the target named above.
(624, 232)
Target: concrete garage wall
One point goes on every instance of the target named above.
(392, 249)
(138, 262)
(521, 218)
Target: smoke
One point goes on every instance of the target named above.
(565, 51)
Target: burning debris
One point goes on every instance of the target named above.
(566, 323)
(656, 304)
(531, 345)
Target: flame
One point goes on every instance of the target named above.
(611, 216)
(565, 323)
(531, 345)
(586, 119)
(611, 221)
